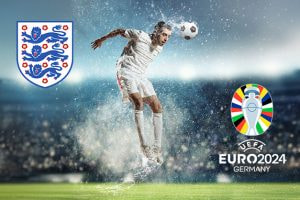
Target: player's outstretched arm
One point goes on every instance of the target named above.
(97, 43)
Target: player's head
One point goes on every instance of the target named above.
(161, 33)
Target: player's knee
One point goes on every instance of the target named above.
(139, 104)
(156, 108)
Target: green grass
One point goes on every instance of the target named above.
(116, 191)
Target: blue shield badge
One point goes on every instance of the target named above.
(44, 51)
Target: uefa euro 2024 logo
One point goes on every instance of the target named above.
(44, 51)
(251, 114)
(251, 109)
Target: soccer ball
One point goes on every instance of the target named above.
(188, 30)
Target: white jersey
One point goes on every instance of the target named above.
(138, 53)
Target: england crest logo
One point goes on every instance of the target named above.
(44, 51)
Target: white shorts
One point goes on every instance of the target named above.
(130, 83)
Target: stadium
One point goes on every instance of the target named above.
(49, 150)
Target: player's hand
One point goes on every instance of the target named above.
(97, 43)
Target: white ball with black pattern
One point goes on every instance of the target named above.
(188, 30)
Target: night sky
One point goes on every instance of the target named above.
(236, 38)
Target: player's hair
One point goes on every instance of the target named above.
(159, 26)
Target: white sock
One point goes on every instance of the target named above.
(139, 121)
(158, 128)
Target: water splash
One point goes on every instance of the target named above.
(108, 137)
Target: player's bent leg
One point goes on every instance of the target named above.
(139, 121)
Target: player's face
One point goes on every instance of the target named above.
(163, 36)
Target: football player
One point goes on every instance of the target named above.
(140, 51)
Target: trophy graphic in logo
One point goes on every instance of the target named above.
(252, 109)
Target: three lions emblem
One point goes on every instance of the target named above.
(44, 51)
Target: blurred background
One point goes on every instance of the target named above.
(79, 130)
